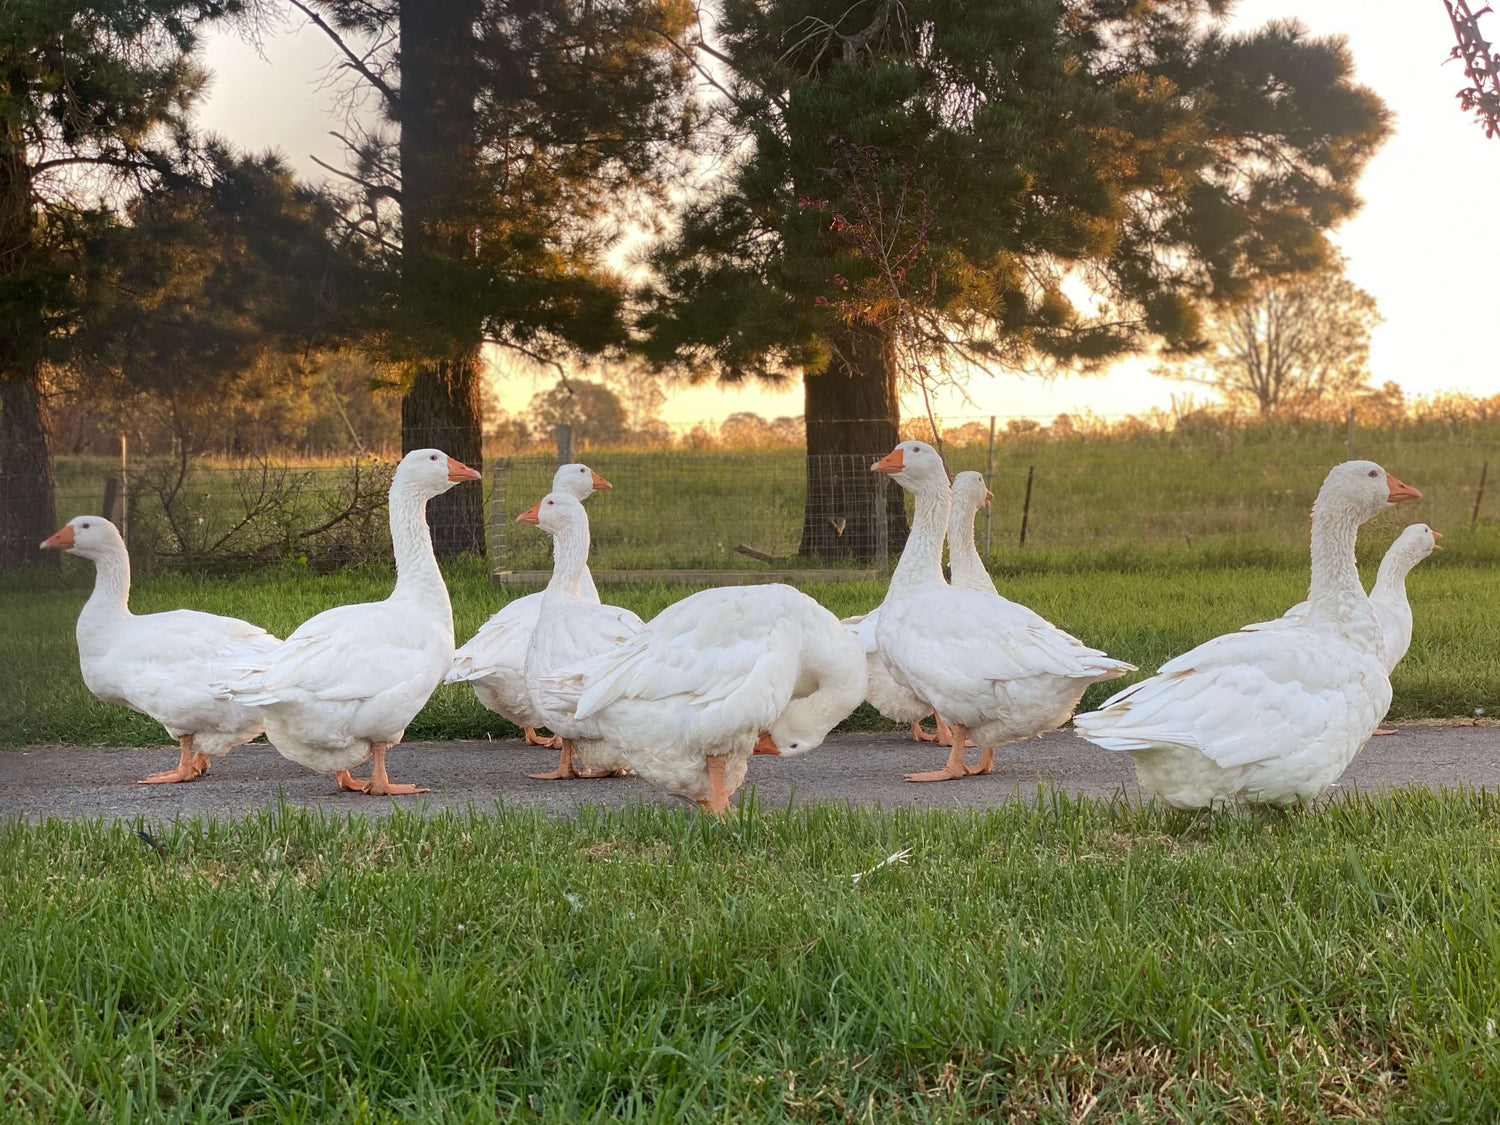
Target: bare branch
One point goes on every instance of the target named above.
(355, 62)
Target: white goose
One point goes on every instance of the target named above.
(568, 630)
(494, 659)
(157, 663)
(966, 568)
(345, 685)
(1268, 716)
(995, 670)
(713, 678)
(920, 564)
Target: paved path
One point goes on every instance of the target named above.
(863, 768)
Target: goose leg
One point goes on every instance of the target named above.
(718, 798)
(986, 762)
(945, 733)
(534, 739)
(953, 769)
(380, 784)
(190, 765)
(920, 735)
(566, 770)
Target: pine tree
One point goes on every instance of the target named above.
(919, 179)
(92, 107)
(517, 127)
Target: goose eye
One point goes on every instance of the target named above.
(1373, 474)
(84, 526)
(433, 457)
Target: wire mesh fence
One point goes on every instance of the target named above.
(748, 509)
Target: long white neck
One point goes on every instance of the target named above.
(841, 685)
(1338, 600)
(966, 567)
(1390, 580)
(111, 596)
(417, 575)
(570, 560)
(921, 563)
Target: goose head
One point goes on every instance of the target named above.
(555, 513)
(430, 472)
(970, 493)
(1361, 489)
(578, 480)
(1414, 544)
(914, 465)
(93, 537)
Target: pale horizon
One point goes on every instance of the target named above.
(1424, 244)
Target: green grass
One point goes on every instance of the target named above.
(1213, 489)
(1046, 962)
(1141, 604)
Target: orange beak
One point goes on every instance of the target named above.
(532, 514)
(59, 540)
(764, 745)
(1436, 535)
(1400, 491)
(892, 462)
(988, 496)
(600, 484)
(458, 471)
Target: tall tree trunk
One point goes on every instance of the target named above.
(27, 509)
(852, 412)
(438, 121)
(441, 411)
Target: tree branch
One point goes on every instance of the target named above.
(354, 62)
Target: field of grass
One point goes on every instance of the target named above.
(687, 509)
(1143, 605)
(1058, 962)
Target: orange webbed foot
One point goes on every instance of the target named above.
(1386, 730)
(986, 763)
(191, 765)
(943, 774)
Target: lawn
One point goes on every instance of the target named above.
(1049, 962)
(1142, 604)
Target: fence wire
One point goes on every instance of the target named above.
(747, 510)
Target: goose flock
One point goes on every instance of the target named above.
(1270, 714)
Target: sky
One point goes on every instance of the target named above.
(1425, 244)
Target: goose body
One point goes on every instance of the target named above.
(689, 697)
(1268, 716)
(346, 683)
(997, 669)
(570, 630)
(494, 659)
(159, 663)
(1388, 595)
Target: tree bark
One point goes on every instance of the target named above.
(28, 513)
(441, 411)
(437, 112)
(28, 510)
(852, 412)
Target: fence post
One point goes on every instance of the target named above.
(497, 514)
(882, 520)
(989, 475)
(1026, 507)
(1479, 495)
(124, 492)
(1349, 436)
(564, 444)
